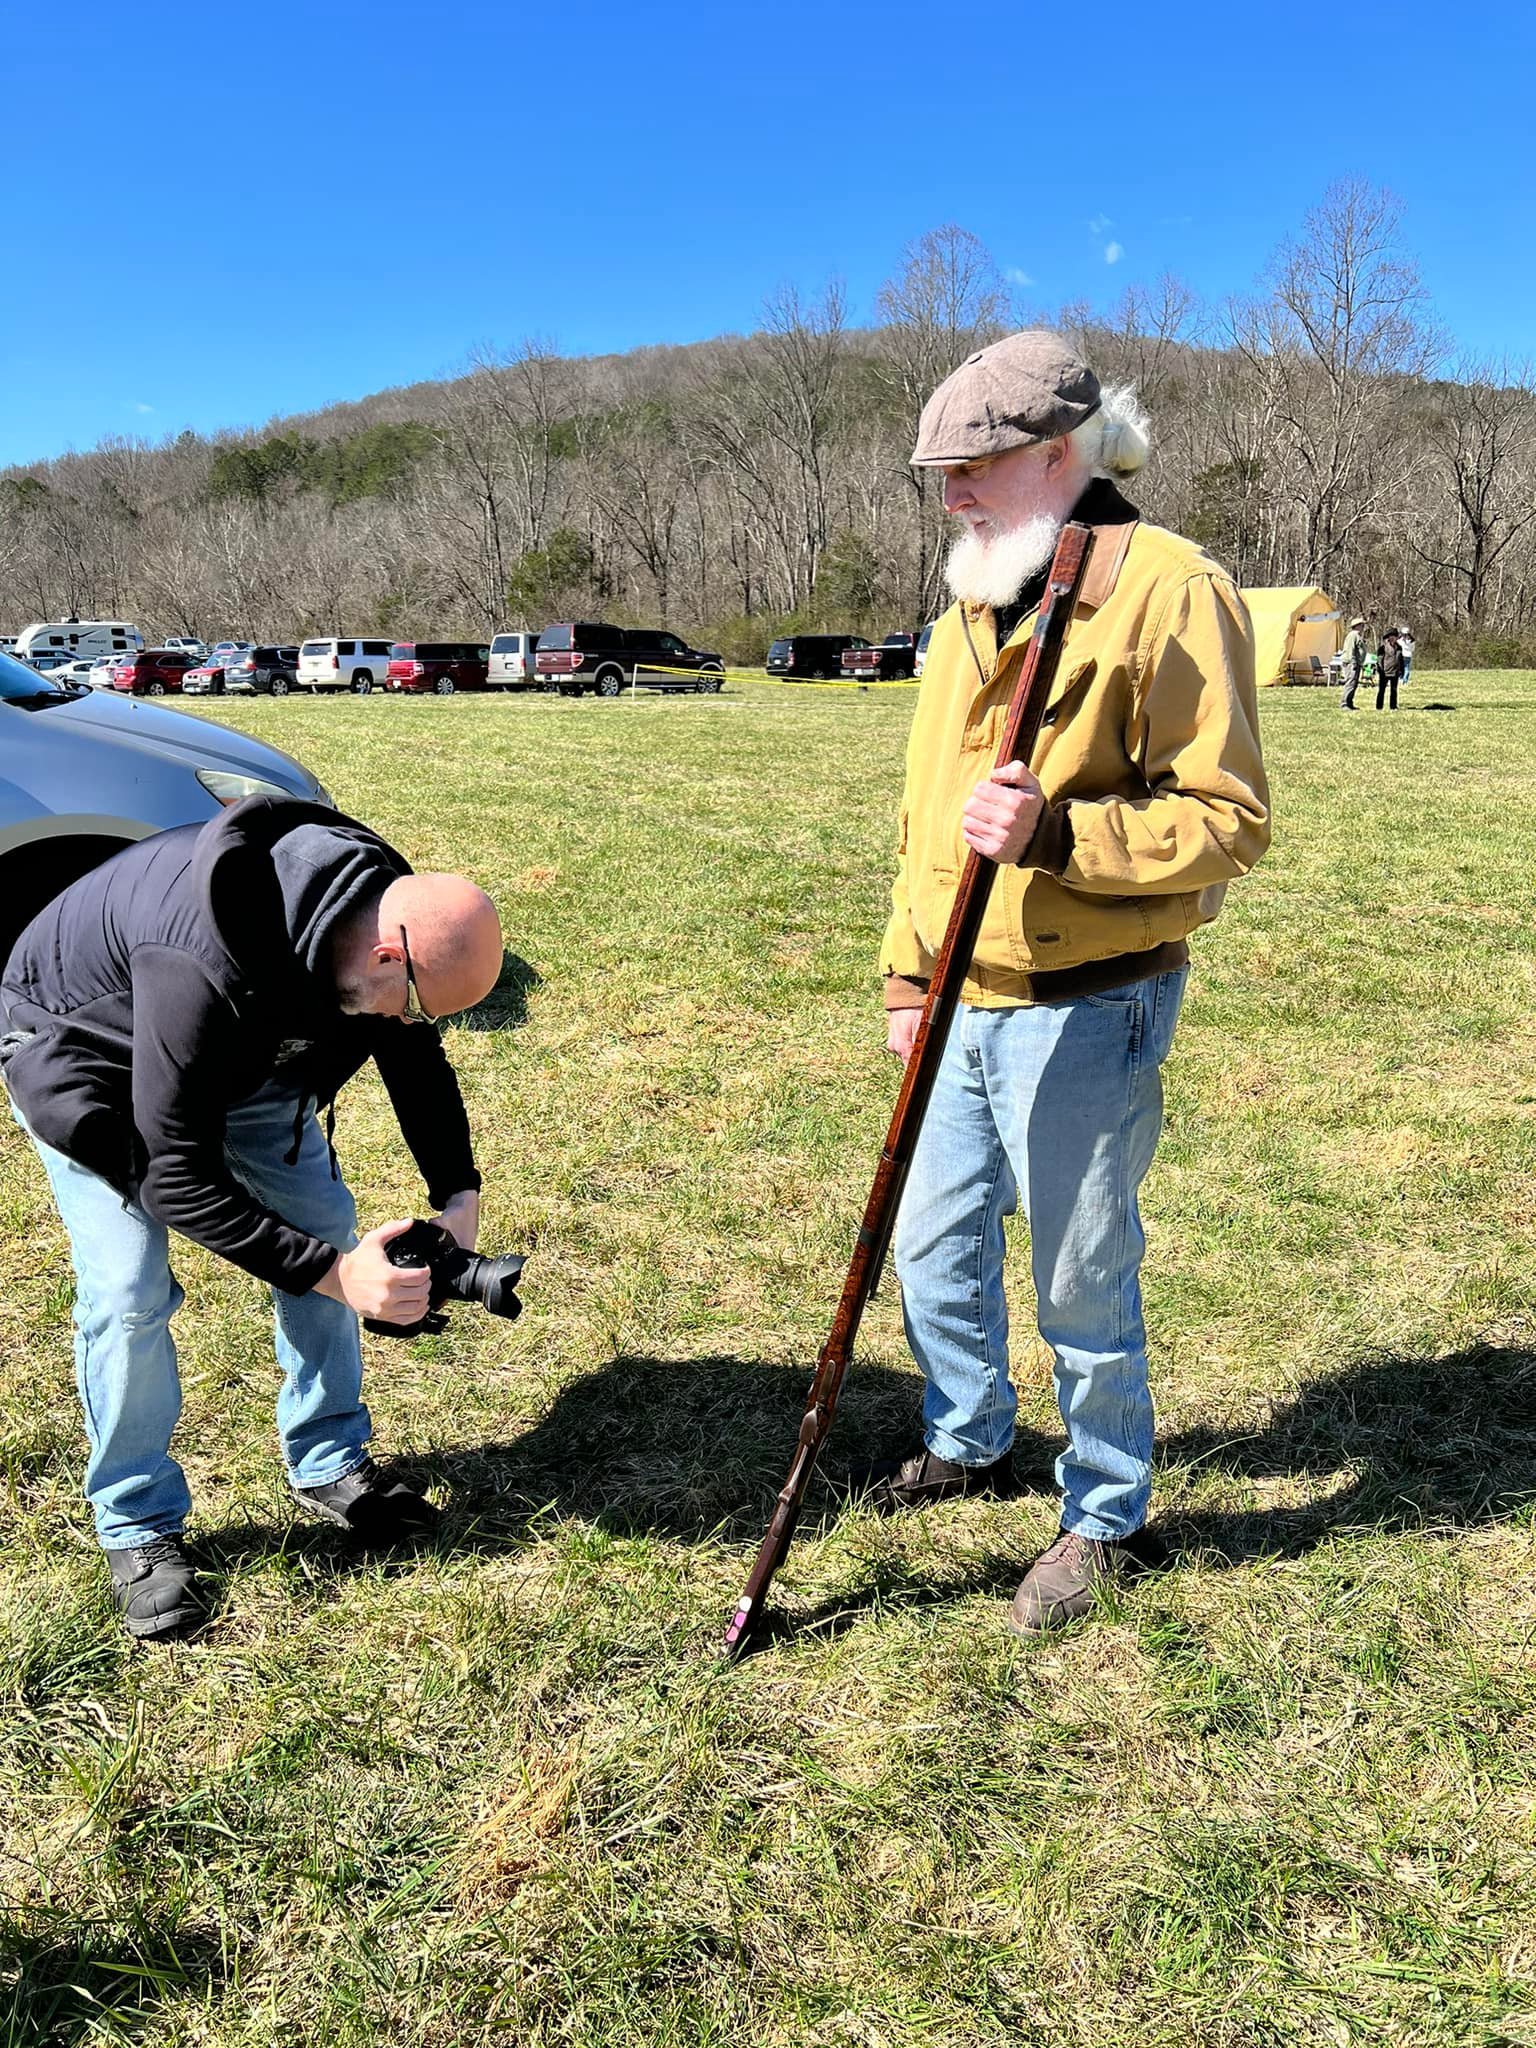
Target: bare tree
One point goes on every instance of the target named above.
(1480, 436)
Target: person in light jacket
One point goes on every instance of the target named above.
(1144, 798)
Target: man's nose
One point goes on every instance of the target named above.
(957, 493)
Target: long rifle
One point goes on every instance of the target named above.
(1024, 714)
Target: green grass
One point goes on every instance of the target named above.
(500, 1792)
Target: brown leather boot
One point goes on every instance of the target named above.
(891, 1485)
(1058, 1587)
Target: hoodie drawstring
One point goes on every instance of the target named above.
(291, 1156)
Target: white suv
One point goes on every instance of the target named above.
(358, 665)
(511, 663)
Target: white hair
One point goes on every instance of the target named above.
(1117, 440)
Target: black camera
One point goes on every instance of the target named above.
(457, 1275)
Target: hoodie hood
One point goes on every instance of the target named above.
(278, 876)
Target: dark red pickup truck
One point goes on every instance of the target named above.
(895, 657)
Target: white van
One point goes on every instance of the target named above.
(511, 662)
(359, 665)
(79, 639)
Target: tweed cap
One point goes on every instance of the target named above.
(1025, 388)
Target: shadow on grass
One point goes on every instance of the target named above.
(1444, 1442)
(65, 1983)
(694, 1449)
(506, 1007)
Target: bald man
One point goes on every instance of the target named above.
(172, 1025)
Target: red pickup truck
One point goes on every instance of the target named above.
(895, 657)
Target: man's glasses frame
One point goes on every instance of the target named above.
(415, 1010)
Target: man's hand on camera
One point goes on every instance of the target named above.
(460, 1217)
(365, 1280)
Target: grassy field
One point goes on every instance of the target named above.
(500, 1791)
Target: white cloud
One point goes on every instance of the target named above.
(1099, 223)
(1112, 252)
(140, 406)
(1017, 276)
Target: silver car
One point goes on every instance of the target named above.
(84, 773)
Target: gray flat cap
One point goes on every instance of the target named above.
(1025, 388)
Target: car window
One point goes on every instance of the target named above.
(504, 643)
(375, 647)
(554, 638)
(346, 646)
(18, 681)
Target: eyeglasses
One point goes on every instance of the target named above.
(413, 1003)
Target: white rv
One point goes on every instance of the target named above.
(79, 639)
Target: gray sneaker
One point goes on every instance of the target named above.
(371, 1507)
(1058, 1587)
(155, 1589)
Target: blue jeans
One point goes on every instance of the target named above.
(1063, 1101)
(126, 1295)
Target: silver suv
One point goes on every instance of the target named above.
(84, 773)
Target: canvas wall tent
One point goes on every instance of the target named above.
(1289, 627)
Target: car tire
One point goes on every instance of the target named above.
(818, 675)
(710, 680)
(609, 681)
(278, 687)
(362, 683)
(443, 687)
(155, 688)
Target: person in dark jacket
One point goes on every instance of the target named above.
(1389, 667)
(172, 1024)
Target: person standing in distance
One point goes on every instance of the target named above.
(1352, 663)
(172, 1023)
(1144, 797)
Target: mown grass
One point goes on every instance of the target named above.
(500, 1792)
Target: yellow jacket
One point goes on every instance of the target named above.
(1148, 755)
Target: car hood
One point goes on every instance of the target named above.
(199, 743)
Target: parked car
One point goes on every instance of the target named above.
(153, 673)
(73, 672)
(211, 674)
(102, 671)
(812, 655)
(441, 666)
(358, 665)
(588, 655)
(262, 671)
(47, 659)
(193, 647)
(83, 775)
(922, 646)
(74, 639)
(511, 664)
(894, 658)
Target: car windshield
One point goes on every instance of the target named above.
(22, 685)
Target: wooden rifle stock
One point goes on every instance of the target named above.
(1041, 660)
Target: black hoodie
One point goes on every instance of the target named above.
(184, 974)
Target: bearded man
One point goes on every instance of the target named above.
(1144, 797)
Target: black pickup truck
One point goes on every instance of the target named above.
(895, 657)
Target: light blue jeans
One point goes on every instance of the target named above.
(126, 1295)
(1063, 1101)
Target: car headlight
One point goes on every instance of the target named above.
(225, 788)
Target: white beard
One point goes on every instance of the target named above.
(992, 568)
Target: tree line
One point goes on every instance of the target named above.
(1318, 430)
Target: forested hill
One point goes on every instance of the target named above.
(1315, 432)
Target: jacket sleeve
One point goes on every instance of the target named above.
(183, 1031)
(424, 1091)
(902, 952)
(1195, 735)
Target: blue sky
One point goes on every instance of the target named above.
(211, 215)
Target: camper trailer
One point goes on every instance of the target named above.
(79, 639)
